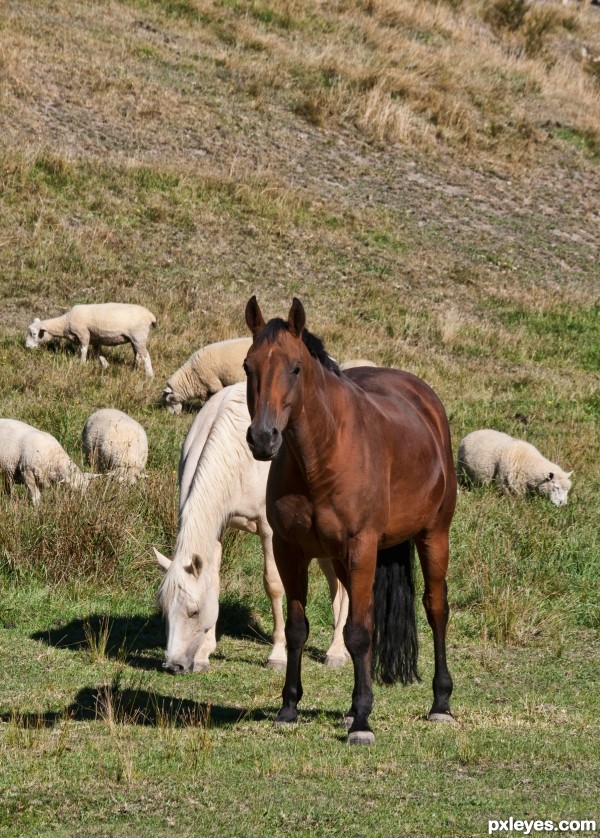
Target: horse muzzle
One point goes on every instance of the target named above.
(176, 667)
(264, 443)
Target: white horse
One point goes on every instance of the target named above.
(222, 485)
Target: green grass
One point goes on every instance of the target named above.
(185, 155)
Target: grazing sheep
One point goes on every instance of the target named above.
(357, 362)
(115, 442)
(207, 371)
(36, 459)
(96, 325)
(516, 466)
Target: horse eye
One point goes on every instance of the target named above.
(296, 370)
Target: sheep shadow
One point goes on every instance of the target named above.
(139, 640)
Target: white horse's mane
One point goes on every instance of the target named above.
(206, 501)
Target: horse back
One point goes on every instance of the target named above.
(404, 399)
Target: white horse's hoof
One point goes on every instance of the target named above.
(361, 737)
(278, 666)
(441, 717)
(333, 662)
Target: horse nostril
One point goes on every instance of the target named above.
(173, 668)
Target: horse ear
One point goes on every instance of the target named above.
(254, 318)
(162, 560)
(296, 318)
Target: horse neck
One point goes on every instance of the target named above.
(311, 435)
(210, 499)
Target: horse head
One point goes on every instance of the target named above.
(275, 365)
(189, 601)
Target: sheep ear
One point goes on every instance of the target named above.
(36, 320)
(195, 568)
(296, 318)
(254, 318)
(162, 560)
(568, 473)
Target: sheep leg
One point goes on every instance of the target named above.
(103, 362)
(274, 590)
(31, 483)
(337, 654)
(8, 482)
(84, 338)
(142, 356)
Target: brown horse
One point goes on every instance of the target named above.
(362, 468)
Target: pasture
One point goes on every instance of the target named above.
(424, 176)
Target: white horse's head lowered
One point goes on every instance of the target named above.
(189, 600)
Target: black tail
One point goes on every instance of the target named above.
(395, 643)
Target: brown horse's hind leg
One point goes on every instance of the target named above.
(432, 548)
(293, 569)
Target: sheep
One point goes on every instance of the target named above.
(207, 371)
(356, 362)
(37, 459)
(96, 325)
(516, 466)
(114, 442)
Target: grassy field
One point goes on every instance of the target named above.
(425, 177)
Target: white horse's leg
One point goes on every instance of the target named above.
(337, 654)
(209, 644)
(274, 589)
(207, 647)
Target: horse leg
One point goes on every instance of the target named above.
(293, 569)
(207, 647)
(337, 654)
(274, 590)
(358, 631)
(432, 548)
(209, 643)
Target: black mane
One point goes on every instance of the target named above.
(312, 342)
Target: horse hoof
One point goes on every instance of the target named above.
(282, 724)
(348, 721)
(361, 737)
(278, 666)
(334, 663)
(441, 717)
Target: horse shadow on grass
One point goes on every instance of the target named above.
(137, 707)
(139, 641)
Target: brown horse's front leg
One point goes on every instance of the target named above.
(293, 569)
(433, 554)
(358, 632)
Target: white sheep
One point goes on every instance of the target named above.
(114, 442)
(356, 362)
(96, 325)
(35, 458)
(516, 466)
(207, 371)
